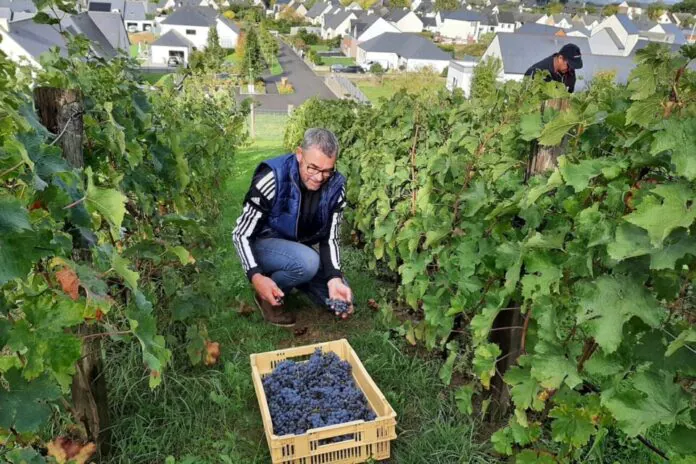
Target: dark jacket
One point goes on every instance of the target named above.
(567, 79)
(278, 206)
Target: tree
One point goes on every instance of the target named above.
(214, 53)
(229, 14)
(610, 10)
(554, 8)
(251, 61)
(687, 6)
(400, 3)
(446, 5)
(655, 10)
(483, 82)
(378, 72)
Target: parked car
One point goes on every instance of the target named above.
(353, 69)
(367, 65)
(337, 68)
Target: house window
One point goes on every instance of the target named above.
(190, 32)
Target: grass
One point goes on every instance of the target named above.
(320, 48)
(232, 58)
(419, 82)
(344, 60)
(157, 78)
(276, 69)
(134, 50)
(211, 412)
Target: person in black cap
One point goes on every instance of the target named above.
(560, 66)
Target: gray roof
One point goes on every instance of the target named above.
(111, 25)
(538, 29)
(396, 15)
(506, 17)
(462, 15)
(5, 12)
(191, 16)
(107, 6)
(335, 20)
(35, 38)
(83, 23)
(317, 9)
(428, 21)
(172, 39)
(644, 25)
(673, 29)
(360, 25)
(135, 11)
(527, 17)
(229, 23)
(406, 45)
(627, 24)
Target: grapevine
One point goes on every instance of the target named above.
(598, 253)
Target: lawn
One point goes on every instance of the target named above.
(276, 69)
(373, 90)
(344, 60)
(320, 48)
(421, 83)
(157, 78)
(210, 414)
(232, 58)
(134, 50)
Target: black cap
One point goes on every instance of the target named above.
(571, 53)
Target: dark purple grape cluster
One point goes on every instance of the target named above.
(315, 393)
(337, 306)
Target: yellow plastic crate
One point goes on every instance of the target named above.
(370, 439)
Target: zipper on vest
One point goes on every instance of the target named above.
(299, 208)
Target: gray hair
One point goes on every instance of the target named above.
(323, 139)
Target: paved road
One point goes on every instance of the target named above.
(306, 83)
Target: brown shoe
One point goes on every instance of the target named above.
(276, 315)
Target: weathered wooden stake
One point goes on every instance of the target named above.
(541, 159)
(60, 111)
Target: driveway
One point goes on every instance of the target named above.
(302, 78)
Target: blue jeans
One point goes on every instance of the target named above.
(293, 265)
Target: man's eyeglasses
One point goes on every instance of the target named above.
(312, 170)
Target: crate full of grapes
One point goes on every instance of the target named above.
(319, 405)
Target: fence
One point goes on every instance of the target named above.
(267, 124)
(344, 88)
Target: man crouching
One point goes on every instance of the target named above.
(295, 202)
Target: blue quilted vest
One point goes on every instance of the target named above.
(283, 219)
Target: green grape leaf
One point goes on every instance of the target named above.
(525, 434)
(13, 217)
(24, 456)
(554, 369)
(534, 457)
(524, 389)
(677, 136)
(183, 255)
(482, 323)
(445, 373)
(142, 322)
(24, 406)
(502, 441)
(592, 225)
(630, 241)
(485, 357)
(541, 277)
(109, 203)
(120, 266)
(647, 399)
(683, 440)
(677, 245)
(571, 425)
(578, 175)
(463, 399)
(609, 302)
(558, 127)
(530, 126)
(661, 217)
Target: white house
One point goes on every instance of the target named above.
(506, 22)
(631, 9)
(317, 11)
(364, 29)
(194, 23)
(337, 24)
(134, 13)
(620, 30)
(405, 20)
(460, 73)
(406, 51)
(171, 46)
(460, 26)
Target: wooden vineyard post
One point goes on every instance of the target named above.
(60, 111)
(509, 327)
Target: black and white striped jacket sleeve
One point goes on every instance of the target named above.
(257, 204)
(329, 251)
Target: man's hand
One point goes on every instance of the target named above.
(267, 289)
(340, 291)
